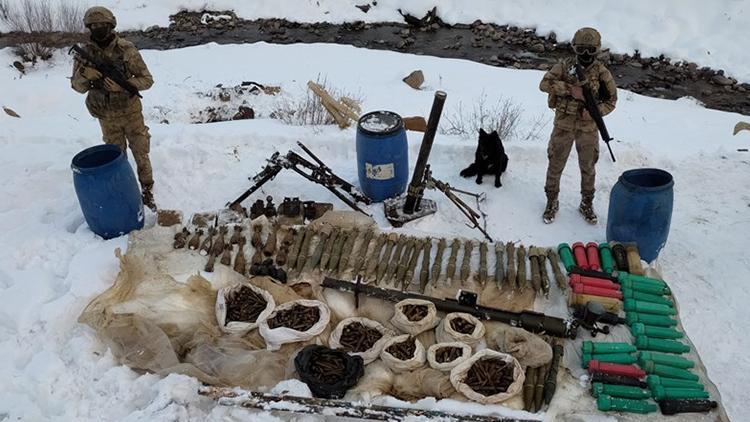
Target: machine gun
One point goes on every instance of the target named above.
(530, 321)
(106, 68)
(593, 109)
(318, 173)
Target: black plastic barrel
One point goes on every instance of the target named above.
(107, 191)
(640, 210)
(382, 155)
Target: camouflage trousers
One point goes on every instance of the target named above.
(130, 130)
(560, 143)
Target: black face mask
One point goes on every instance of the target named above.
(101, 36)
(585, 59)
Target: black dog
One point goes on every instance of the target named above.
(490, 158)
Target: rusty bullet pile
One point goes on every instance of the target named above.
(414, 313)
(403, 350)
(244, 305)
(357, 337)
(328, 368)
(462, 326)
(298, 317)
(447, 354)
(490, 376)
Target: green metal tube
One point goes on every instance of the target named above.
(591, 347)
(621, 391)
(639, 329)
(667, 371)
(641, 279)
(660, 393)
(628, 293)
(649, 319)
(647, 307)
(607, 403)
(667, 359)
(623, 358)
(653, 380)
(645, 287)
(605, 256)
(566, 256)
(659, 345)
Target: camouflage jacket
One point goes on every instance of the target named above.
(557, 82)
(102, 103)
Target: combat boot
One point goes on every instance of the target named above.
(587, 207)
(147, 196)
(550, 211)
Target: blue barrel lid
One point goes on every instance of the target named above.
(96, 158)
(647, 179)
(380, 123)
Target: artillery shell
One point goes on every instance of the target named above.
(270, 249)
(374, 258)
(510, 252)
(466, 263)
(499, 267)
(536, 277)
(294, 250)
(424, 274)
(209, 268)
(239, 259)
(338, 246)
(328, 248)
(218, 246)
(482, 263)
(347, 251)
(235, 235)
(283, 254)
(521, 281)
(257, 239)
(304, 251)
(403, 263)
(437, 266)
(450, 272)
(412, 266)
(317, 252)
(207, 243)
(195, 241)
(385, 259)
(359, 260)
(543, 272)
(554, 261)
(226, 256)
(528, 388)
(393, 263)
(181, 238)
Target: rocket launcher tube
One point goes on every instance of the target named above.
(675, 406)
(646, 297)
(593, 282)
(595, 291)
(616, 369)
(607, 403)
(667, 359)
(659, 345)
(645, 287)
(640, 329)
(592, 256)
(610, 304)
(592, 347)
(605, 254)
(579, 252)
(653, 380)
(667, 371)
(566, 256)
(623, 358)
(622, 391)
(650, 319)
(661, 393)
(647, 307)
(617, 380)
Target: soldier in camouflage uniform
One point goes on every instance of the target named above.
(119, 113)
(573, 123)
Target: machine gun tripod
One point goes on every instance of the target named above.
(317, 172)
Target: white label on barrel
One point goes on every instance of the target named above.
(379, 171)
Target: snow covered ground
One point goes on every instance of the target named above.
(51, 265)
(710, 33)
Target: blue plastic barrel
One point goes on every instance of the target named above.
(382, 155)
(640, 210)
(107, 191)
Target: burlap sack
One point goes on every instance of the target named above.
(446, 334)
(458, 374)
(447, 366)
(403, 323)
(240, 327)
(528, 348)
(398, 365)
(370, 354)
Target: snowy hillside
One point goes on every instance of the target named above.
(710, 33)
(51, 265)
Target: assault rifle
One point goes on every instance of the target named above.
(593, 108)
(316, 172)
(106, 68)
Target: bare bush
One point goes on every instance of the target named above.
(42, 16)
(309, 111)
(504, 116)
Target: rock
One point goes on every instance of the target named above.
(363, 7)
(244, 113)
(10, 112)
(415, 79)
(617, 58)
(722, 80)
(415, 123)
(538, 48)
(225, 96)
(19, 66)
(707, 92)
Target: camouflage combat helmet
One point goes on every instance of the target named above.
(99, 14)
(587, 37)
